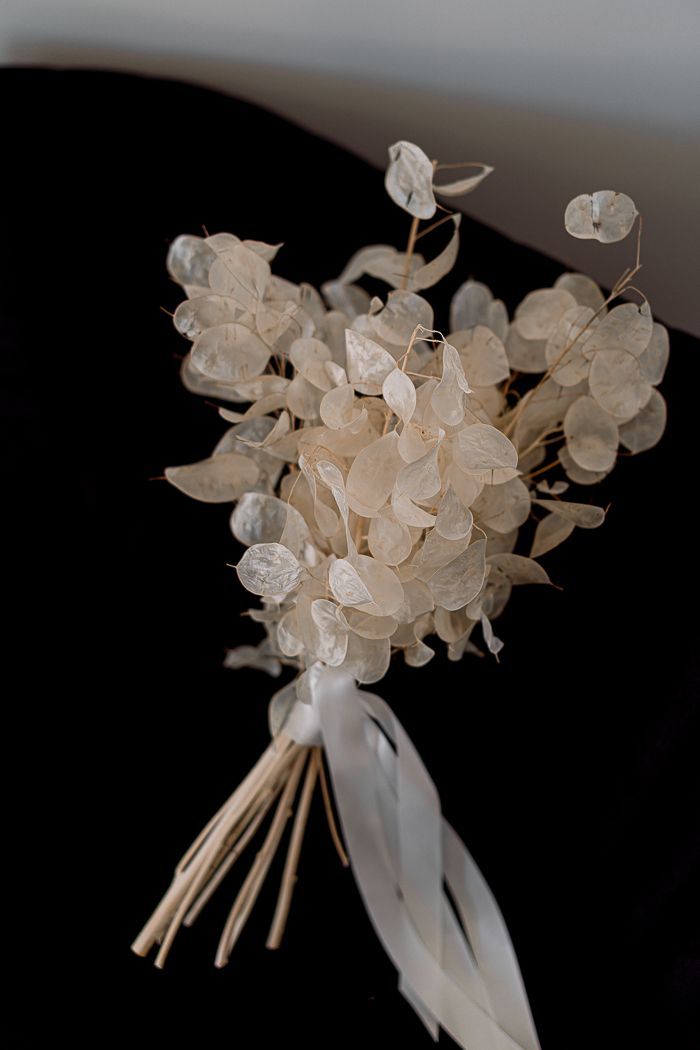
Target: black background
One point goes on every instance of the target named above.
(569, 769)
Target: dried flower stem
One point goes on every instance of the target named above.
(289, 876)
(335, 835)
(243, 904)
(409, 250)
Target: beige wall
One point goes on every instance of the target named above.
(560, 97)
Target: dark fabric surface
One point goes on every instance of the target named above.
(569, 769)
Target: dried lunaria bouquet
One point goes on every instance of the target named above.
(381, 472)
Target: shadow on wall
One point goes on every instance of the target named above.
(541, 160)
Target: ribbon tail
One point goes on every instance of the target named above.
(456, 963)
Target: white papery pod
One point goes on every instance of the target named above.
(420, 479)
(460, 580)
(230, 352)
(257, 657)
(409, 179)
(591, 435)
(367, 659)
(309, 357)
(576, 473)
(447, 398)
(617, 383)
(218, 479)
(584, 290)
(406, 511)
(540, 312)
(584, 515)
(400, 394)
(331, 634)
(430, 273)
(646, 429)
(604, 216)
(368, 363)
(654, 359)
(269, 569)
(454, 520)
(479, 447)
(503, 508)
(565, 351)
(493, 644)
(194, 316)
(373, 474)
(627, 326)
(189, 260)
(483, 355)
(260, 518)
(525, 355)
(388, 539)
(346, 584)
(461, 186)
(550, 532)
(518, 569)
(404, 310)
(241, 274)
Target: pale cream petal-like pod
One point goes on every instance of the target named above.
(540, 311)
(403, 311)
(309, 357)
(373, 473)
(617, 383)
(418, 654)
(518, 568)
(260, 518)
(493, 644)
(368, 363)
(483, 355)
(454, 520)
(400, 394)
(654, 359)
(241, 274)
(389, 540)
(420, 479)
(460, 580)
(503, 508)
(367, 659)
(194, 316)
(628, 326)
(646, 429)
(479, 447)
(189, 260)
(383, 585)
(368, 626)
(330, 642)
(461, 186)
(346, 585)
(430, 273)
(303, 398)
(218, 479)
(525, 355)
(604, 216)
(576, 473)
(550, 532)
(230, 352)
(583, 288)
(409, 179)
(591, 435)
(565, 349)
(584, 515)
(269, 569)
(406, 511)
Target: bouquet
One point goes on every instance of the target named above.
(381, 473)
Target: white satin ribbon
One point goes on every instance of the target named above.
(400, 849)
